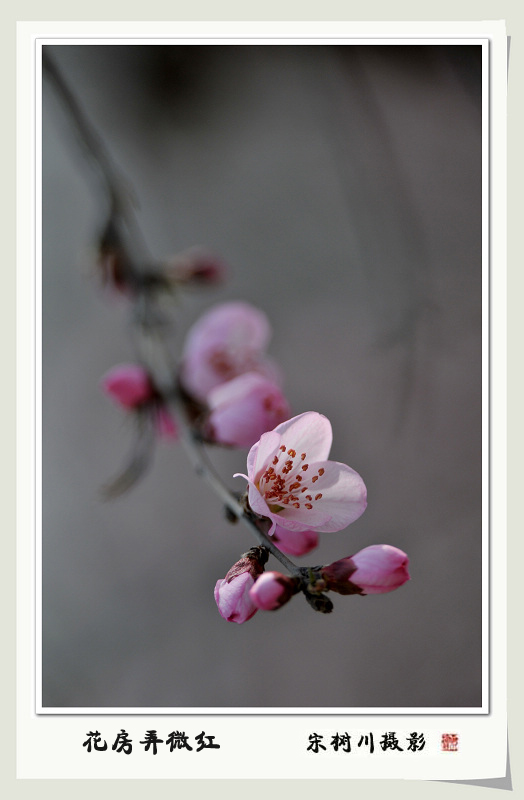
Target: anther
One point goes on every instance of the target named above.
(318, 496)
(302, 456)
(321, 471)
(297, 505)
(315, 478)
(305, 466)
(308, 505)
(292, 453)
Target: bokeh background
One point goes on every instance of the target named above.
(342, 186)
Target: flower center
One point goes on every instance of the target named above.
(221, 362)
(284, 482)
(231, 361)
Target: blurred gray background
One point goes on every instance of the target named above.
(342, 185)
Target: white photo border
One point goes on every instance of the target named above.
(493, 709)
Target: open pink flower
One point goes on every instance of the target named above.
(295, 543)
(376, 569)
(292, 482)
(272, 590)
(128, 385)
(244, 408)
(232, 593)
(227, 341)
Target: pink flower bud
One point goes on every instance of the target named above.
(197, 266)
(272, 590)
(165, 425)
(295, 543)
(232, 593)
(128, 385)
(244, 408)
(377, 569)
(233, 600)
(226, 342)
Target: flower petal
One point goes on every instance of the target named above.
(344, 495)
(257, 502)
(235, 323)
(310, 433)
(261, 454)
(300, 519)
(337, 498)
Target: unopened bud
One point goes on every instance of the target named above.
(295, 543)
(377, 569)
(232, 593)
(128, 385)
(165, 425)
(272, 590)
(196, 266)
(244, 408)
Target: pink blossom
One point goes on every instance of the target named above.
(295, 543)
(244, 408)
(232, 593)
(128, 384)
(377, 569)
(272, 590)
(292, 482)
(226, 342)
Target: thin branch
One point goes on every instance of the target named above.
(203, 468)
(148, 328)
(154, 353)
(121, 197)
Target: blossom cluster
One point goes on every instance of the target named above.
(232, 392)
(377, 569)
(224, 370)
(225, 367)
(298, 489)
(227, 373)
